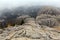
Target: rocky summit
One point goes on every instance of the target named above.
(42, 23)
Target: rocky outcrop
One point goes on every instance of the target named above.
(30, 31)
(49, 10)
(44, 26)
(47, 20)
(20, 19)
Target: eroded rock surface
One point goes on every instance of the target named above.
(45, 26)
(30, 31)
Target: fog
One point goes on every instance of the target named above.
(10, 10)
(16, 3)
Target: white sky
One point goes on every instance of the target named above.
(15, 3)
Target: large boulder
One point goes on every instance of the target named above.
(20, 19)
(47, 20)
(45, 16)
(29, 20)
(49, 10)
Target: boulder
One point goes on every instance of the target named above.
(49, 10)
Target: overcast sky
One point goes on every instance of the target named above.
(15, 3)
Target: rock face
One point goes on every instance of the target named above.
(30, 31)
(20, 19)
(47, 20)
(45, 26)
(49, 10)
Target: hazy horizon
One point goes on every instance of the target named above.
(16, 3)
